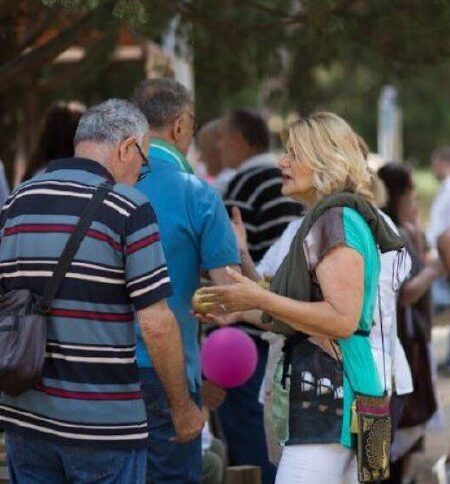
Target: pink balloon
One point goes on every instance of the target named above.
(228, 357)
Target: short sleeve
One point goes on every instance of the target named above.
(326, 233)
(358, 234)
(147, 278)
(218, 246)
(338, 226)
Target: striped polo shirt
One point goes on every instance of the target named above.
(90, 391)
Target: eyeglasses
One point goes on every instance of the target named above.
(146, 166)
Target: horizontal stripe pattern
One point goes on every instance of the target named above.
(142, 243)
(58, 392)
(93, 315)
(16, 419)
(58, 229)
(90, 358)
(69, 192)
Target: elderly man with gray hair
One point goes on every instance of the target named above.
(85, 420)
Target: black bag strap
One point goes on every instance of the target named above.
(65, 260)
(382, 339)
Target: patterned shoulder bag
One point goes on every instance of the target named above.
(371, 424)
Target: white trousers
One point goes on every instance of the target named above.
(317, 464)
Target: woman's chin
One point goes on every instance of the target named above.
(305, 198)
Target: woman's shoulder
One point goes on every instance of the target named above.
(326, 232)
(358, 234)
(334, 223)
(354, 221)
(337, 226)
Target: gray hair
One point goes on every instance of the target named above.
(161, 100)
(111, 122)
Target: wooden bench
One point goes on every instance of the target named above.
(243, 475)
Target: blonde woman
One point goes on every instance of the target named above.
(323, 295)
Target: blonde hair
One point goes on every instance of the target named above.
(333, 151)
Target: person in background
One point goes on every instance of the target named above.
(196, 235)
(210, 155)
(414, 317)
(256, 190)
(56, 137)
(84, 420)
(214, 458)
(439, 222)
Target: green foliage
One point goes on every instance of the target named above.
(132, 11)
(73, 5)
(283, 55)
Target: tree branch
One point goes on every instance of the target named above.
(37, 31)
(48, 51)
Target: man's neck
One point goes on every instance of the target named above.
(94, 152)
(163, 136)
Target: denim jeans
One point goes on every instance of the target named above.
(167, 462)
(33, 460)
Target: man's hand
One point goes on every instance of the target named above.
(212, 395)
(188, 421)
(162, 337)
(220, 319)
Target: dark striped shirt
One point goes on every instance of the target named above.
(256, 190)
(90, 391)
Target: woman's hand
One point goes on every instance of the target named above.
(253, 316)
(220, 319)
(239, 229)
(243, 295)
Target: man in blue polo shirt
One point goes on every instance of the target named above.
(196, 235)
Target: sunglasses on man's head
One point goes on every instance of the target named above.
(146, 166)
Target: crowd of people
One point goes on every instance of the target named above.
(341, 323)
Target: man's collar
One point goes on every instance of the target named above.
(163, 150)
(83, 164)
(260, 160)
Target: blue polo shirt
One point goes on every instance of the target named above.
(196, 234)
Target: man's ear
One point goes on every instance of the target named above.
(127, 148)
(177, 128)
